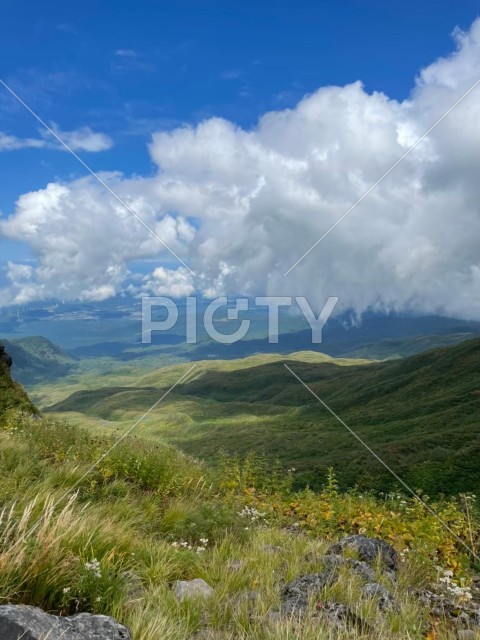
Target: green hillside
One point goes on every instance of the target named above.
(421, 414)
(107, 524)
(12, 395)
(36, 359)
(403, 347)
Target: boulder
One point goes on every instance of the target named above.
(186, 589)
(334, 562)
(385, 600)
(465, 615)
(21, 622)
(368, 550)
(295, 594)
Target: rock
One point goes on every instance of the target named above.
(4, 357)
(186, 589)
(368, 549)
(466, 634)
(29, 623)
(341, 617)
(295, 594)
(386, 602)
(462, 615)
(334, 563)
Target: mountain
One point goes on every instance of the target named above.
(112, 331)
(12, 395)
(377, 336)
(36, 359)
(420, 414)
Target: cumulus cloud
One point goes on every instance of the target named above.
(177, 283)
(83, 239)
(241, 206)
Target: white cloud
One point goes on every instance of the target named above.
(11, 143)
(82, 139)
(176, 283)
(230, 74)
(83, 239)
(126, 53)
(261, 197)
(131, 61)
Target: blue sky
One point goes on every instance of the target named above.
(128, 69)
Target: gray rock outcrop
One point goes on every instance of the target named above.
(385, 600)
(186, 589)
(21, 622)
(296, 594)
(368, 550)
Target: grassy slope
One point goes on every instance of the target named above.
(12, 395)
(391, 348)
(420, 414)
(133, 375)
(35, 359)
(141, 499)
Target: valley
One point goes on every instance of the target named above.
(420, 413)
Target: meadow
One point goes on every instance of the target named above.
(115, 540)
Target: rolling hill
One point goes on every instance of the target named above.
(421, 415)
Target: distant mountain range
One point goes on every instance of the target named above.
(38, 359)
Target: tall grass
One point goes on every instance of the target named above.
(147, 516)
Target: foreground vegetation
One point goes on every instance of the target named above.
(113, 540)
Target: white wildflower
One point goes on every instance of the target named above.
(253, 514)
(94, 567)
